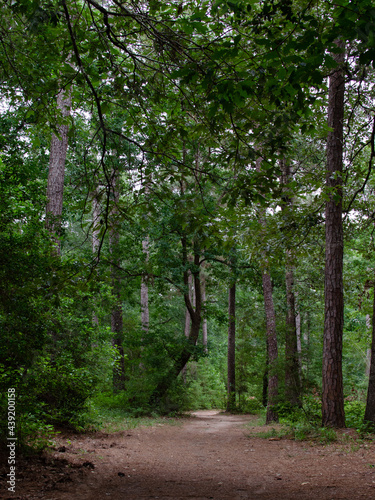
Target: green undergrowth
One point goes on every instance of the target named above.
(298, 432)
(116, 419)
(108, 413)
(304, 424)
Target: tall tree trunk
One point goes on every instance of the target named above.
(332, 387)
(56, 169)
(273, 380)
(370, 403)
(231, 401)
(116, 314)
(292, 378)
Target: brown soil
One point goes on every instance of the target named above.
(207, 456)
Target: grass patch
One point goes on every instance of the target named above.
(295, 432)
(116, 420)
(110, 414)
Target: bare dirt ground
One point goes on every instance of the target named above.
(207, 456)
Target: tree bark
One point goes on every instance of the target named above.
(332, 387)
(370, 403)
(231, 401)
(56, 170)
(273, 380)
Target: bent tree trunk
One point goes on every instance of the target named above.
(195, 313)
(332, 387)
(370, 403)
(56, 170)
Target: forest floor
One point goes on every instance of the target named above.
(209, 455)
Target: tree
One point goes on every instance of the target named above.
(272, 349)
(332, 391)
(56, 171)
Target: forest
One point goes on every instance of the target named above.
(187, 210)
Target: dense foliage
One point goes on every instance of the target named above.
(183, 115)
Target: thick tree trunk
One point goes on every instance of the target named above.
(332, 388)
(231, 388)
(56, 170)
(116, 314)
(273, 381)
(370, 403)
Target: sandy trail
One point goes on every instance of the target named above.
(208, 456)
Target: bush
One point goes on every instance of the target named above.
(354, 414)
(251, 405)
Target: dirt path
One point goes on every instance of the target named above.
(208, 456)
